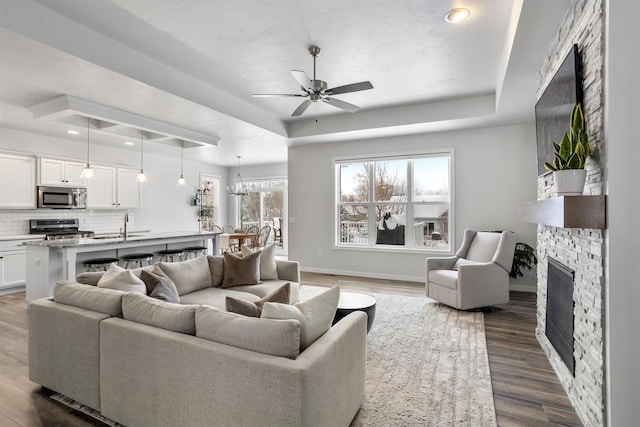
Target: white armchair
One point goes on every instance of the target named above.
(477, 276)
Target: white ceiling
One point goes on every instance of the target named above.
(195, 63)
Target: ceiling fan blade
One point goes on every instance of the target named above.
(341, 104)
(271, 95)
(301, 108)
(353, 87)
(303, 79)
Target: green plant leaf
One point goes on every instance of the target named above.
(565, 147)
(548, 166)
(574, 161)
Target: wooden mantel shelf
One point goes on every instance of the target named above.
(567, 212)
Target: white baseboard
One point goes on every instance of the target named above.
(419, 279)
(14, 290)
(523, 288)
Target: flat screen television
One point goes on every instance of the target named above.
(553, 109)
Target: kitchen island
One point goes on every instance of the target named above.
(50, 261)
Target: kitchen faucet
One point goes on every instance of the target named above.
(126, 220)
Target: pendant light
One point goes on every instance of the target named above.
(181, 181)
(87, 172)
(141, 178)
(239, 189)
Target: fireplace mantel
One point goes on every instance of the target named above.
(567, 212)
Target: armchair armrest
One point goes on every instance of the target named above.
(483, 284)
(437, 263)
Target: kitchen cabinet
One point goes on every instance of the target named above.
(17, 182)
(13, 264)
(60, 172)
(113, 188)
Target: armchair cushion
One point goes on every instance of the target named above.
(447, 278)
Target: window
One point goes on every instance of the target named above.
(209, 190)
(395, 201)
(265, 205)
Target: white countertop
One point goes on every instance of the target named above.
(101, 241)
(23, 237)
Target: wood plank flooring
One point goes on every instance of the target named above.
(526, 391)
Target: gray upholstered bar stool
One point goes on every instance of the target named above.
(194, 250)
(171, 254)
(137, 259)
(97, 263)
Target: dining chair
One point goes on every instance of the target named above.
(262, 238)
(228, 228)
(216, 229)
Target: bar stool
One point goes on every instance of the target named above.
(171, 253)
(193, 250)
(97, 263)
(137, 259)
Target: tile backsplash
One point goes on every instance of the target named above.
(16, 222)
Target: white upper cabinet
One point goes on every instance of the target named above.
(128, 189)
(60, 172)
(101, 192)
(17, 182)
(113, 188)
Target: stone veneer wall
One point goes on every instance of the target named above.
(579, 249)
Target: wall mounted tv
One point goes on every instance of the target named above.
(554, 106)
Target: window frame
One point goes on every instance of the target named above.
(410, 203)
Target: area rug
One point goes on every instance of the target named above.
(427, 365)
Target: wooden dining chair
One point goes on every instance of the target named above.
(262, 238)
(228, 228)
(216, 229)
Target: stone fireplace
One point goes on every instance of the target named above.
(579, 249)
(559, 309)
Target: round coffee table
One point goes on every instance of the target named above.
(353, 301)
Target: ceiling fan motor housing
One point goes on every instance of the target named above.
(319, 85)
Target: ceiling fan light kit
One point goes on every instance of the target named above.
(316, 90)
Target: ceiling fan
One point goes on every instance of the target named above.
(316, 90)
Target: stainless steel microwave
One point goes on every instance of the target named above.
(62, 197)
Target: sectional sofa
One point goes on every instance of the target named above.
(144, 362)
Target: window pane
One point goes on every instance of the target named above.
(354, 182)
(431, 225)
(431, 179)
(250, 210)
(390, 224)
(391, 181)
(354, 224)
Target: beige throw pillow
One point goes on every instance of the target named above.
(268, 267)
(315, 315)
(122, 280)
(275, 337)
(188, 276)
(253, 309)
(241, 270)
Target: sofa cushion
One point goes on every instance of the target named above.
(265, 288)
(216, 266)
(268, 268)
(315, 315)
(161, 314)
(241, 270)
(215, 297)
(188, 276)
(275, 337)
(102, 300)
(122, 280)
(253, 309)
(446, 278)
(159, 286)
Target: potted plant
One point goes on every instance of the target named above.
(524, 258)
(570, 155)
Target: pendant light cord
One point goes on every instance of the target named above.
(88, 141)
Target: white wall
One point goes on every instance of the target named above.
(164, 207)
(622, 284)
(495, 172)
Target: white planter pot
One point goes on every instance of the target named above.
(569, 182)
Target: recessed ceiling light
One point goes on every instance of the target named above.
(73, 132)
(457, 15)
(129, 143)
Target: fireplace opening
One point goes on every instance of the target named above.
(559, 321)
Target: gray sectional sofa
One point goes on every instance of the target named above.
(143, 362)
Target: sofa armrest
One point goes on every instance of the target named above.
(288, 270)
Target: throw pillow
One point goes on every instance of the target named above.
(188, 276)
(275, 337)
(159, 286)
(216, 265)
(241, 270)
(315, 315)
(268, 267)
(122, 280)
(463, 261)
(254, 309)
(161, 314)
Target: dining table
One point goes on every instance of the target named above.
(239, 237)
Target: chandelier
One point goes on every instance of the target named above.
(240, 188)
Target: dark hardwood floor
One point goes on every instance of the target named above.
(526, 390)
